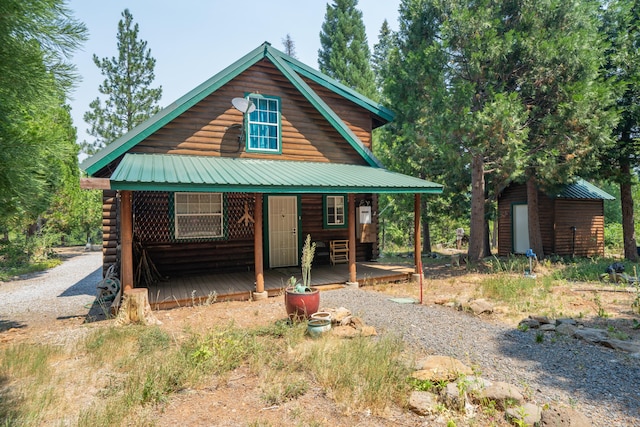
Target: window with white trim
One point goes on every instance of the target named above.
(198, 215)
(263, 125)
(334, 211)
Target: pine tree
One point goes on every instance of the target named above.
(380, 58)
(37, 139)
(519, 94)
(344, 53)
(130, 99)
(620, 24)
(289, 46)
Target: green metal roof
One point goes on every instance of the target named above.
(290, 68)
(582, 189)
(166, 172)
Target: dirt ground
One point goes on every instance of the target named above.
(235, 399)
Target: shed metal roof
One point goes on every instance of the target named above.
(165, 172)
(582, 189)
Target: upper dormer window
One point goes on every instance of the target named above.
(263, 125)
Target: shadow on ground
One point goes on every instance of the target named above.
(612, 369)
(5, 325)
(84, 286)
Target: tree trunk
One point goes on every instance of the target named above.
(535, 235)
(626, 202)
(477, 234)
(487, 239)
(426, 235)
(135, 308)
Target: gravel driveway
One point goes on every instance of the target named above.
(62, 292)
(601, 383)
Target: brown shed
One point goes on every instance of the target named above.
(571, 221)
(233, 175)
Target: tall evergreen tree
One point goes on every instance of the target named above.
(289, 46)
(525, 95)
(620, 24)
(37, 140)
(344, 53)
(130, 99)
(380, 58)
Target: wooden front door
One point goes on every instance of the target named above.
(283, 231)
(520, 229)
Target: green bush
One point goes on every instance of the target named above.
(613, 237)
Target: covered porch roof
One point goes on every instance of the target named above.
(165, 172)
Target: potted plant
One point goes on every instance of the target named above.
(302, 300)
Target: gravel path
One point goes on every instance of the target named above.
(59, 293)
(601, 383)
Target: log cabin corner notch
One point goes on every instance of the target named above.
(203, 186)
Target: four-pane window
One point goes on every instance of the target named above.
(198, 215)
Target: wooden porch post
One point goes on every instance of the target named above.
(352, 238)
(126, 240)
(416, 224)
(257, 248)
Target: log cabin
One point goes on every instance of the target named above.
(236, 173)
(571, 220)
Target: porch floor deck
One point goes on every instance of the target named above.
(187, 290)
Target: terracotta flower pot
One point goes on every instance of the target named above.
(301, 305)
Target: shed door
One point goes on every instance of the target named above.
(520, 229)
(283, 231)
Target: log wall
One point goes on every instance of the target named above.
(110, 229)
(235, 252)
(556, 218)
(589, 235)
(211, 126)
(312, 223)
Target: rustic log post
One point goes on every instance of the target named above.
(352, 239)
(126, 240)
(257, 248)
(135, 308)
(417, 244)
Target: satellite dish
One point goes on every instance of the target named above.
(243, 105)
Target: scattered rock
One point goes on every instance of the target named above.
(566, 329)
(479, 306)
(563, 417)
(423, 402)
(628, 346)
(440, 368)
(355, 322)
(500, 392)
(547, 327)
(529, 323)
(591, 334)
(454, 397)
(566, 320)
(474, 384)
(337, 314)
(543, 320)
(527, 414)
(344, 331)
(368, 331)
(569, 327)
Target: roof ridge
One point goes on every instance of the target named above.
(127, 141)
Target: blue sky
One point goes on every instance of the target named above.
(192, 40)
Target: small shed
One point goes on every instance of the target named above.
(571, 220)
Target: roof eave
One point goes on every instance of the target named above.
(121, 145)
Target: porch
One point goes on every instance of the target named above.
(187, 290)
